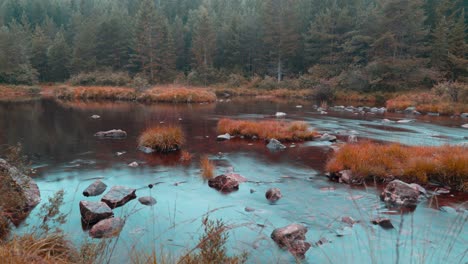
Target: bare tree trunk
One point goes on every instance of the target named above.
(279, 69)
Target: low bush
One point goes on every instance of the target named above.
(104, 78)
(162, 138)
(452, 91)
(286, 131)
(96, 93)
(178, 95)
(445, 164)
(426, 102)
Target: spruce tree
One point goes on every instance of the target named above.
(59, 56)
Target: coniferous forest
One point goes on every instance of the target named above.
(363, 45)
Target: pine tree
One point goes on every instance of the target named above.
(203, 39)
(281, 36)
(58, 56)
(457, 48)
(84, 48)
(39, 46)
(145, 42)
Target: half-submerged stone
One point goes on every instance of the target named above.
(275, 144)
(224, 183)
(400, 194)
(273, 194)
(292, 237)
(114, 133)
(118, 196)
(147, 200)
(107, 228)
(95, 189)
(93, 212)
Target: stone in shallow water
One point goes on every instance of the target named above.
(224, 183)
(147, 200)
(223, 137)
(293, 238)
(273, 194)
(114, 133)
(107, 228)
(385, 223)
(96, 188)
(275, 144)
(118, 196)
(398, 193)
(93, 212)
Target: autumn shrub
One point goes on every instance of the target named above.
(281, 130)
(268, 83)
(18, 91)
(207, 167)
(367, 161)
(178, 95)
(236, 80)
(162, 138)
(185, 156)
(103, 77)
(454, 91)
(95, 93)
(425, 102)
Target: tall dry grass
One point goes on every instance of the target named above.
(162, 138)
(445, 164)
(281, 130)
(178, 95)
(207, 167)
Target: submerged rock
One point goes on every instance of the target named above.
(25, 186)
(273, 194)
(292, 237)
(107, 228)
(114, 133)
(146, 150)
(385, 223)
(223, 137)
(95, 189)
(348, 220)
(93, 212)
(398, 193)
(275, 144)
(118, 196)
(224, 183)
(133, 164)
(147, 200)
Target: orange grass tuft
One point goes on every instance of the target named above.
(185, 156)
(96, 93)
(445, 164)
(207, 167)
(280, 130)
(178, 95)
(162, 138)
(426, 102)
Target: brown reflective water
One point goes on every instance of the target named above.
(58, 136)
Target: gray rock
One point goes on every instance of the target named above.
(146, 150)
(419, 188)
(273, 194)
(409, 110)
(95, 117)
(464, 126)
(107, 228)
(292, 237)
(26, 186)
(224, 183)
(464, 115)
(398, 193)
(345, 176)
(352, 139)
(147, 200)
(95, 189)
(118, 196)
(93, 212)
(114, 133)
(223, 137)
(327, 137)
(385, 223)
(433, 114)
(274, 144)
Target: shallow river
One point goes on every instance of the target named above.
(58, 137)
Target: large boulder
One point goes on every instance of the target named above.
(400, 194)
(274, 144)
(95, 189)
(107, 228)
(24, 186)
(292, 237)
(118, 196)
(93, 212)
(114, 133)
(273, 194)
(224, 183)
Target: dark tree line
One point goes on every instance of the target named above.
(359, 44)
